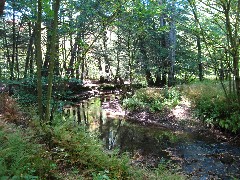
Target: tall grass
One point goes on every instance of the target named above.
(212, 106)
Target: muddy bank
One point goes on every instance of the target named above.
(180, 118)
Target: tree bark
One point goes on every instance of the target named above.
(52, 60)
(30, 44)
(172, 44)
(200, 66)
(39, 59)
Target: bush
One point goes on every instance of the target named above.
(20, 158)
(153, 99)
(212, 106)
(82, 149)
(9, 108)
(25, 90)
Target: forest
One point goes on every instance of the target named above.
(124, 89)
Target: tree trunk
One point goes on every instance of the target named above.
(30, 44)
(172, 44)
(105, 56)
(6, 45)
(200, 66)
(57, 63)
(45, 68)
(52, 60)
(13, 51)
(70, 70)
(39, 59)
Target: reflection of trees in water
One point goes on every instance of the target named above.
(91, 115)
(136, 140)
(110, 133)
(79, 119)
(101, 117)
(108, 127)
(85, 119)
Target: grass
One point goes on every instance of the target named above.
(212, 106)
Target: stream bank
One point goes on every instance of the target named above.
(153, 138)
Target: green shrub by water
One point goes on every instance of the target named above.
(212, 106)
(82, 149)
(153, 99)
(21, 158)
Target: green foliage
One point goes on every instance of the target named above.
(212, 106)
(26, 89)
(153, 99)
(73, 149)
(20, 158)
(81, 148)
(167, 171)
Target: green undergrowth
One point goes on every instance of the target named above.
(21, 157)
(212, 106)
(153, 99)
(74, 154)
(64, 150)
(75, 147)
(84, 152)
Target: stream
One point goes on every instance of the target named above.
(198, 156)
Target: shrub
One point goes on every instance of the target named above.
(9, 108)
(153, 99)
(82, 149)
(212, 106)
(20, 158)
(26, 89)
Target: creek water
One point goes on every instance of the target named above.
(198, 156)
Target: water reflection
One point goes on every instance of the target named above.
(102, 115)
(105, 116)
(198, 156)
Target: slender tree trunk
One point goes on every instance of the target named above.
(130, 58)
(13, 51)
(232, 34)
(200, 66)
(7, 48)
(32, 52)
(78, 60)
(17, 53)
(105, 56)
(172, 43)
(64, 52)
(52, 60)
(118, 68)
(57, 63)
(83, 73)
(70, 70)
(101, 79)
(39, 59)
(30, 44)
(83, 59)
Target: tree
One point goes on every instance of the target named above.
(52, 59)
(39, 59)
